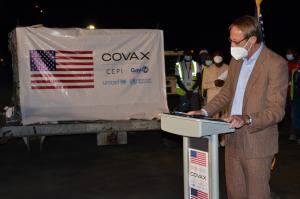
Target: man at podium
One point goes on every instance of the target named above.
(255, 90)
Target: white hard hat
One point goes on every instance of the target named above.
(203, 51)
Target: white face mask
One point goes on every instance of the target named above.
(239, 52)
(187, 58)
(218, 59)
(208, 62)
(290, 57)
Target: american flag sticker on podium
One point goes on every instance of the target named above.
(198, 174)
(196, 194)
(57, 69)
(198, 157)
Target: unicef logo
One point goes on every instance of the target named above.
(143, 69)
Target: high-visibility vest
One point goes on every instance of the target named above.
(188, 83)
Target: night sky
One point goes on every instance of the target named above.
(186, 24)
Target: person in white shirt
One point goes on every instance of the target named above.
(214, 76)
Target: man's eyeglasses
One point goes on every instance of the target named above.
(236, 42)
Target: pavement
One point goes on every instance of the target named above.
(149, 166)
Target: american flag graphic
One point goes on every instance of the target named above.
(261, 26)
(196, 194)
(60, 69)
(198, 157)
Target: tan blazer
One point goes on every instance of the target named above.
(264, 101)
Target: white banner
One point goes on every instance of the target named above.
(79, 74)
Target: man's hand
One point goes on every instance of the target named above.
(219, 83)
(199, 112)
(237, 121)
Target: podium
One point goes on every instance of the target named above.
(200, 152)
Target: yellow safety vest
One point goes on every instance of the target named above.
(187, 82)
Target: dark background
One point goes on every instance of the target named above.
(186, 24)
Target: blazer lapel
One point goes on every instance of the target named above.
(254, 75)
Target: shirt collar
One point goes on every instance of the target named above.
(254, 57)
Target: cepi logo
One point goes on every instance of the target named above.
(143, 69)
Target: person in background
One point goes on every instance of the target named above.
(213, 80)
(203, 53)
(212, 76)
(291, 55)
(255, 90)
(295, 103)
(207, 63)
(188, 76)
(201, 58)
